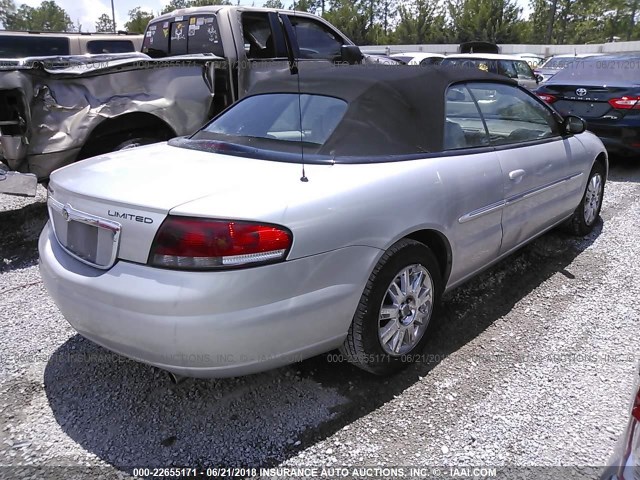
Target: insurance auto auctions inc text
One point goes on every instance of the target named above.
(378, 472)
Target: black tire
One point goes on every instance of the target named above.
(581, 224)
(363, 346)
(121, 141)
(136, 142)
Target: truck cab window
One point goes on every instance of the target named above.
(316, 41)
(258, 37)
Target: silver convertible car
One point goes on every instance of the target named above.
(322, 212)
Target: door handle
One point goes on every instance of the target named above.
(516, 174)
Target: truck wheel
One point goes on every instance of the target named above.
(136, 142)
(389, 327)
(119, 141)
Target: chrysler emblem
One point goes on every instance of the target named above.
(581, 92)
(65, 212)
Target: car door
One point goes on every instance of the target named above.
(539, 176)
(471, 173)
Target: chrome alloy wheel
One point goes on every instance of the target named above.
(592, 199)
(406, 310)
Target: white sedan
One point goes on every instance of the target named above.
(418, 58)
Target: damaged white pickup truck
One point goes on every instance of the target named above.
(194, 63)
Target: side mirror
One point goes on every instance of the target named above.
(539, 78)
(351, 54)
(574, 125)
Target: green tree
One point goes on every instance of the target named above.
(50, 17)
(310, 6)
(46, 17)
(389, 10)
(20, 19)
(632, 24)
(581, 21)
(421, 22)
(7, 11)
(584, 22)
(535, 28)
(274, 4)
(496, 21)
(138, 20)
(105, 24)
(175, 5)
(350, 16)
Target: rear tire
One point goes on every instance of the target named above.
(121, 141)
(136, 142)
(388, 330)
(585, 217)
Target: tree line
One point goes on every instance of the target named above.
(372, 22)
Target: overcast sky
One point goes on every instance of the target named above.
(86, 12)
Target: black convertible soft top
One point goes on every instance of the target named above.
(392, 110)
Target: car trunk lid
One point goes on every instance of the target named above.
(111, 206)
(590, 101)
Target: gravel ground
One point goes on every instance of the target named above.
(531, 365)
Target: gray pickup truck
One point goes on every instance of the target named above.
(194, 63)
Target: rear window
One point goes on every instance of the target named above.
(480, 64)
(183, 35)
(110, 46)
(605, 70)
(273, 121)
(18, 46)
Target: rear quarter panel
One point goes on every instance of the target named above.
(377, 204)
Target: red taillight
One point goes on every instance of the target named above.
(547, 98)
(200, 243)
(635, 410)
(625, 103)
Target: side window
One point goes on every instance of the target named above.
(507, 68)
(463, 127)
(258, 37)
(18, 46)
(431, 61)
(316, 41)
(524, 70)
(110, 46)
(511, 115)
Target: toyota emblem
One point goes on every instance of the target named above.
(581, 92)
(65, 213)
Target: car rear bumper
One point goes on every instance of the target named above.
(211, 324)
